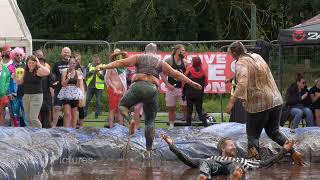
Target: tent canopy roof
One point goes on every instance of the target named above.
(306, 33)
(14, 30)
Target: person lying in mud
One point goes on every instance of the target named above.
(145, 88)
(227, 163)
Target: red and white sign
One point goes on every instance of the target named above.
(220, 66)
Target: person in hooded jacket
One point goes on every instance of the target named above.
(193, 96)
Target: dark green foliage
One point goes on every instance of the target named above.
(115, 20)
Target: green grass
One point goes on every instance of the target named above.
(211, 103)
(161, 120)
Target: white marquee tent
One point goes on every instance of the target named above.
(13, 28)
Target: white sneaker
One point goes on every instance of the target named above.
(171, 125)
(292, 130)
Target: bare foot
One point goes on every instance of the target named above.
(148, 155)
(289, 145)
(202, 177)
(297, 158)
(166, 138)
(132, 127)
(237, 174)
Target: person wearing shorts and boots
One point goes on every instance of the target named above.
(174, 86)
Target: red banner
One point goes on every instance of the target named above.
(220, 66)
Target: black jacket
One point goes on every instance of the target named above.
(293, 96)
(192, 92)
(47, 82)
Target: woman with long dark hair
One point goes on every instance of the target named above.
(298, 101)
(33, 93)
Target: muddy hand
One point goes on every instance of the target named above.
(166, 138)
(202, 177)
(289, 145)
(170, 87)
(297, 158)
(196, 85)
(229, 108)
(228, 80)
(237, 174)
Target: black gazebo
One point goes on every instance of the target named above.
(306, 34)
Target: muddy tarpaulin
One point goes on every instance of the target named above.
(25, 151)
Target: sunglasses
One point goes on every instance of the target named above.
(18, 55)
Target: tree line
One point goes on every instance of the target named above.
(115, 20)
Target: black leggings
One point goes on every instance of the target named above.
(270, 121)
(207, 167)
(197, 101)
(81, 112)
(45, 118)
(147, 93)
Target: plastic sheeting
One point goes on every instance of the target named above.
(26, 151)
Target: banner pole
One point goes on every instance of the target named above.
(221, 108)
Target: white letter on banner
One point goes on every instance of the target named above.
(216, 72)
(218, 87)
(207, 88)
(189, 58)
(221, 58)
(208, 59)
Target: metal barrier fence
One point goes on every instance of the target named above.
(52, 48)
(139, 46)
(194, 46)
(293, 60)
